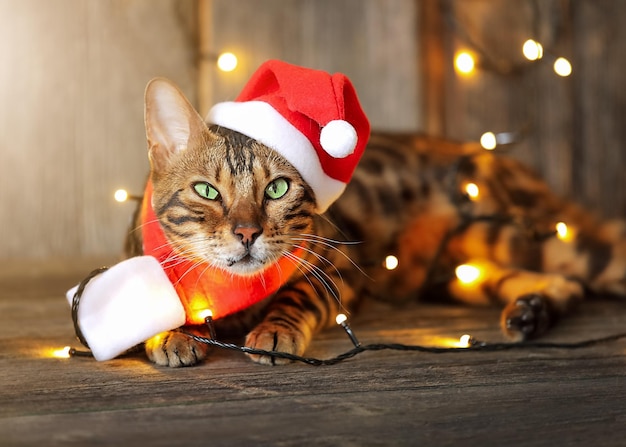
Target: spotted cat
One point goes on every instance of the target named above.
(224, 198)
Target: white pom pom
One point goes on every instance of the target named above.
(338, 138)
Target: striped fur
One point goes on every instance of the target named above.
(406, 199)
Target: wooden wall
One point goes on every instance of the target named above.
(400, 54)
(576, 130)
(72, 76)
(374, 42)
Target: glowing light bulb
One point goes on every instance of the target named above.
(121, 195)
(467, 273)
(532, 50)
(472, 190)
(563, 232)
(391, 262)
(464, 62)
(207, 316)
(205, 313)
(227, 62)
(340, 318)
(465, 341)
(562, 67)
(63, 353)
(488, 141)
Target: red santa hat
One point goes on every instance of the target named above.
(310, 117)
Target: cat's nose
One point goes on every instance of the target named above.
(247, 234)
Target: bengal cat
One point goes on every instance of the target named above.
(405, 199)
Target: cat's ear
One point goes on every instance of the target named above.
(172, 124)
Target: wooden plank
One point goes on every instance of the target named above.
(575, 134)
(71, 125)
(507, 93)
(598, 43)
(34, 136)
(373, 42)
(529, 398)
(433, 65)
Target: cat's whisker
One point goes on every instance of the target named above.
(143, 224)
(320, 258)
(208, 266)
(324, 278)
(193, 266)
(302, 268)
(329, 284)
(263, 281)
(313, 252)
(177, 257)
(332, 224)
(329, 240)
(188, 250)
(327, 243)
(174, 259)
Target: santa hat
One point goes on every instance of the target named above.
(310, 117)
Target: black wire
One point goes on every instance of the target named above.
(76, 302)
(474, 347)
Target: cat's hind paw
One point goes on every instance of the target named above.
(527, 317)
(274, 337)
(175, 349)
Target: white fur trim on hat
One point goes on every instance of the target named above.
(338, 138)
(259, 120)
(126, 305)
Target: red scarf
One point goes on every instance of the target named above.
(203, 287)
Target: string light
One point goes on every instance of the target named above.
(469, 345)
(67, 352)
(467, 273)
(465, 341)
(464, 63)
(488, 141)
(121, 195)
(63, 353)
(563, 232)
(205, 313)
(562, 67)
(532, 50)
(472, 190)
(227, 62)
(207, 316)
(391, 262)
(342, 320)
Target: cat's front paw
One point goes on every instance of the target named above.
(175, 349)
(527, 317)
(273, 337)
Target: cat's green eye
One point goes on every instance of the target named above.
(277, 188)
(206, 191)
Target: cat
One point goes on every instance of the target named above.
(406, 199)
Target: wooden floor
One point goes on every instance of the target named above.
(515, 398)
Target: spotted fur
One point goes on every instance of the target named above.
(406, 199)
